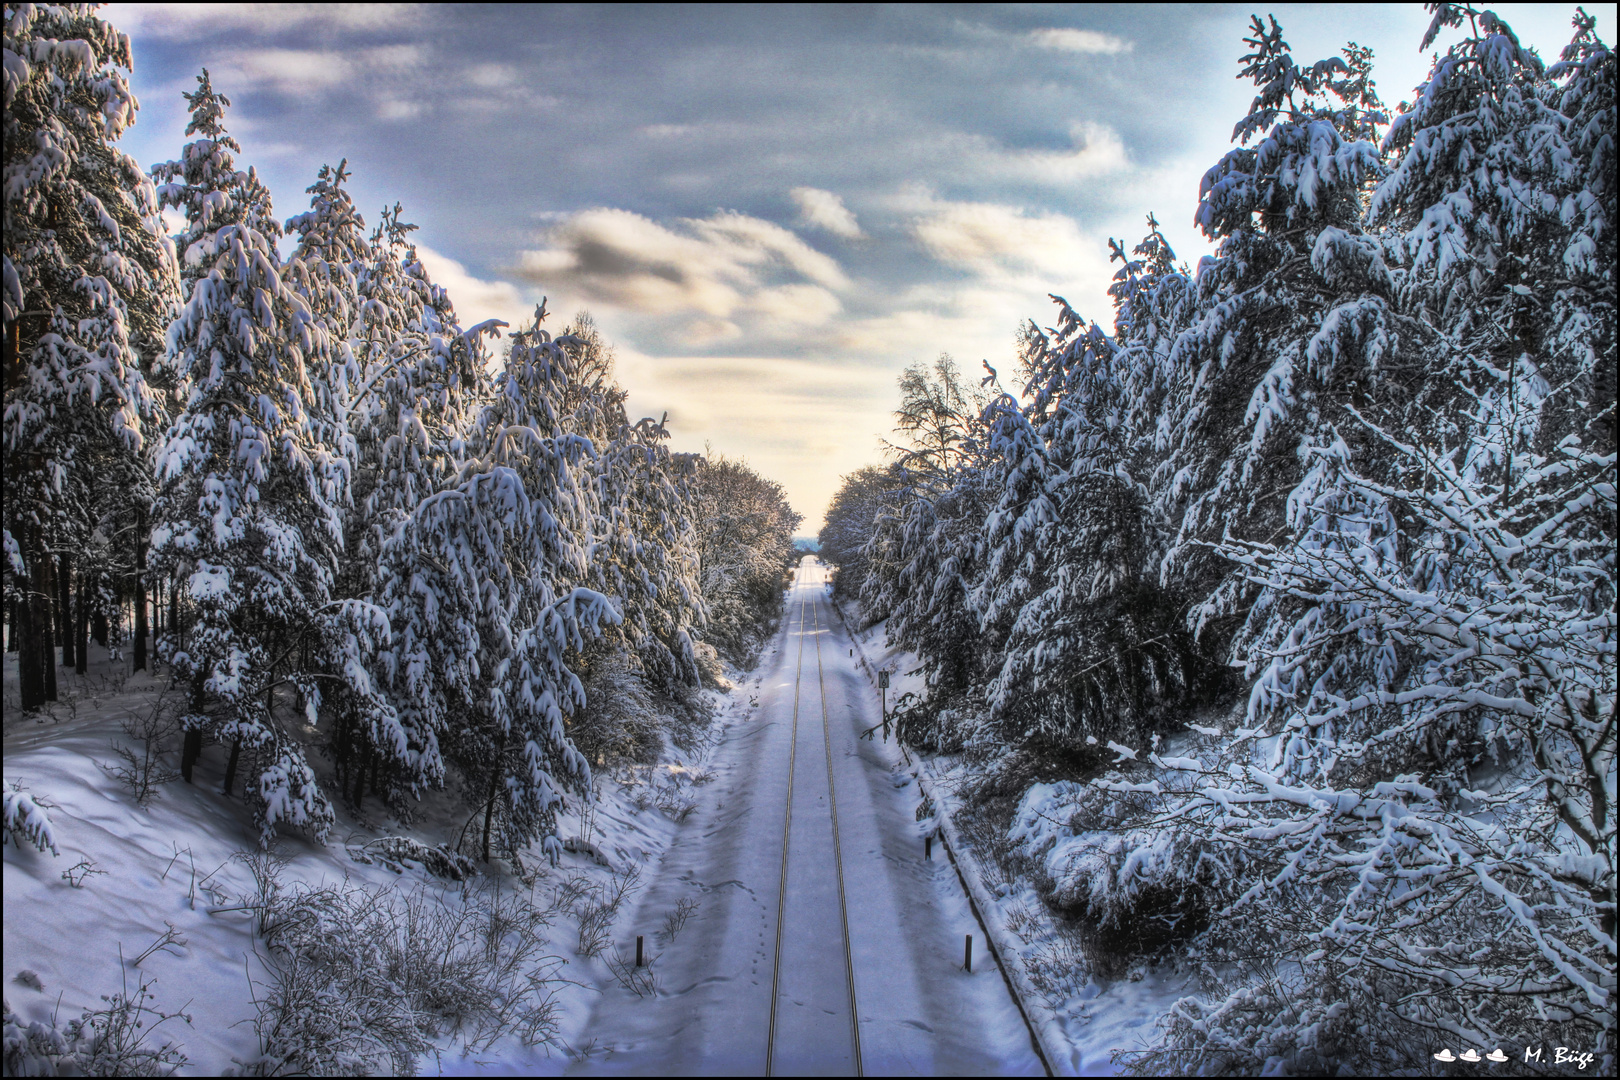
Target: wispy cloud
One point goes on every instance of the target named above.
(307, 72)
(989, 237)
(824, 210)
(186, 22)
(713, 270)
(1068, 39)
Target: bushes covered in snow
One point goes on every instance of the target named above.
(358, 981)
(117, 1040)
(25, 819)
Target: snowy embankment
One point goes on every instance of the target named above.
(1082, 1020)
(164, 896)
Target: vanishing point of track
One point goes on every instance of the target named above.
(787, 835)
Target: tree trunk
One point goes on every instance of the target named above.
(81, 630)
(359, 779)
(140, 591)
(42, 618)
(192, 748)
(230, 766)
(340, 750)
(494, 789)
(64, 609)
(32, 641)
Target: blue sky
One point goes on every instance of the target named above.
(771, 210)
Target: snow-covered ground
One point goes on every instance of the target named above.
(706, 828)
(173, 864)
(920, 1012)
(1084, 1021)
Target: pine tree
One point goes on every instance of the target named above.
(744, 547)
(477, 584)
(409, 417)
(249, 516)
(89, 284)
(863, 495)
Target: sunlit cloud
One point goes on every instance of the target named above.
(716, 266)
(475, 298)
(1067, 39)
(824, 210)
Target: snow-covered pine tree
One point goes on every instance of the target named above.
(1095, 649)
(249, 516)
(1429, 754)
(1292, 315)
(926, 555)
(89, 285)
(656, 551)
(863, 495)
(744, 546)
(420, 377)
(478, 585)
(644, 548)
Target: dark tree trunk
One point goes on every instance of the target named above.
(494, 790)
(191, 750)
(81, 630)
(14, 620)
(230, 766)
(140, 592)
(32, 641)
(359, 779)
(43, 618)
(98, 627)
(340, 749)
(64, 609)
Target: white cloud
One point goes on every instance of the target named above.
(1097, 150)
(395, 109)
(476, 299)
(1068, 39)
(186, 22)
(824, 210)
(994, 239)
(310, 71)
(721, 266)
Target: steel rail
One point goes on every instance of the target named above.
(787, 835)
(838, 857)
(787, 832)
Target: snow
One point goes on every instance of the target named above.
(1085, 1022)
(920, 1014)
(718, 842)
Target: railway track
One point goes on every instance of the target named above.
(810, 609)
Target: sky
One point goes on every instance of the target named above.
(770, 210)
